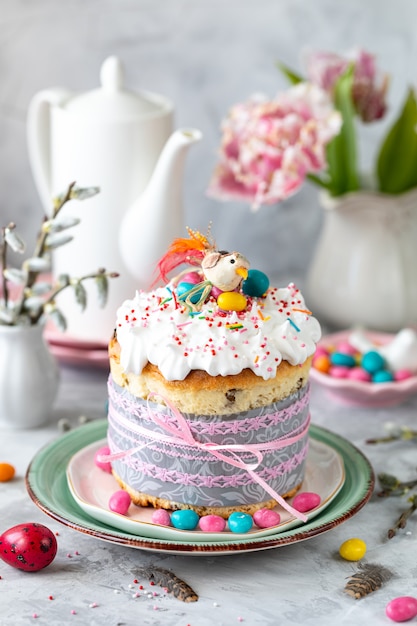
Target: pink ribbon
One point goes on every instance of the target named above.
(181, 434)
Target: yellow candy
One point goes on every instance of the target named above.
(7, 472)
(353, 549)
(231, 301)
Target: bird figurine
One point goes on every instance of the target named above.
(225, 270)
(219, 271)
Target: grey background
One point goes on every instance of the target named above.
(205, 56)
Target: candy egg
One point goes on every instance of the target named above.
(382, 376)
(212, 523)
(240, 522)
(346, 348)
(232, 301)
(357, 373)
(402, 609)
(321, 351)
(322, 363)
(343, 360)
(185, 519)
(306, 501)
(402, 375)
(29, 547)
(183, 287)
(104, 465)
(191, 277)
(339, 371)
(161, 517)
(119, 502)
(353, 549)
(7, 472)
(256, 284)
(265, 518)
(372, 361)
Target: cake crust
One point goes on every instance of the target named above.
(201, 393)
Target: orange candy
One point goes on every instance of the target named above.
(322, 363)
(7, 472)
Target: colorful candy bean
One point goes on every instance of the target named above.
(212, 523)
(161, 517)
(256, 283)
(306, 501)
(240, 522)
(119, 502)
(353, 549)
(402, 609)
(231, 301)
(266, 518)
(185, 519)
(103, 465)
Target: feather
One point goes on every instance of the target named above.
(164, 578)
(183, 250)
(369, 578)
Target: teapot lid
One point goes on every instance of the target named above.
(112, 102)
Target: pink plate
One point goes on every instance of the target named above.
(80, 356)
(358, 393)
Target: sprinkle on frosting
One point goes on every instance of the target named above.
(154, 327)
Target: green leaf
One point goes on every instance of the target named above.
(397, 160)
(80, 295)
(293, 78)
(342, 150)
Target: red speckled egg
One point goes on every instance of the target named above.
(29, 547)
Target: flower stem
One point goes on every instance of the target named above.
(39, 252)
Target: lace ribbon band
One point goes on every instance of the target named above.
(176, 431)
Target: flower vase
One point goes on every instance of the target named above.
(364, 271)
(29, 377)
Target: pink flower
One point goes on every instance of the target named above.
(324, 68)
(269, 146)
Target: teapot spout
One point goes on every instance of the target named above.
(156, 218)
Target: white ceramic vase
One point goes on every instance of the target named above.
(29, 377)
(364, 271)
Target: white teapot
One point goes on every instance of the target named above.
(110, 138)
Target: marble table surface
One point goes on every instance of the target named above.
(91, 580)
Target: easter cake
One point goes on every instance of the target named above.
(208, 386)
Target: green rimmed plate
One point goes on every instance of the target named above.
(46, 482)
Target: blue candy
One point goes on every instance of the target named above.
(182, 289)
(240, 522)
(184, 520)
(342, 359)
(256, 284)
(382, 376)
(372, 362)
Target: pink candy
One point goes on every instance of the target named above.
(402, 609)
(212, 523)
(402, 375)
(357, 373)
(191, 277)
(119, 502)
(346, 348)
(265, 518)
(306, 501)
(339, 371)
(161, 517)
(105, 466)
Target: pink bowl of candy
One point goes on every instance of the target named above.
(369, 369)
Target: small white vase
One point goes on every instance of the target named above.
(364, 271)
(29, 377)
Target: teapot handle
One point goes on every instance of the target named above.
(38, 139)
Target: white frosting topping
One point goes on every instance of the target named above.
(155, 327)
